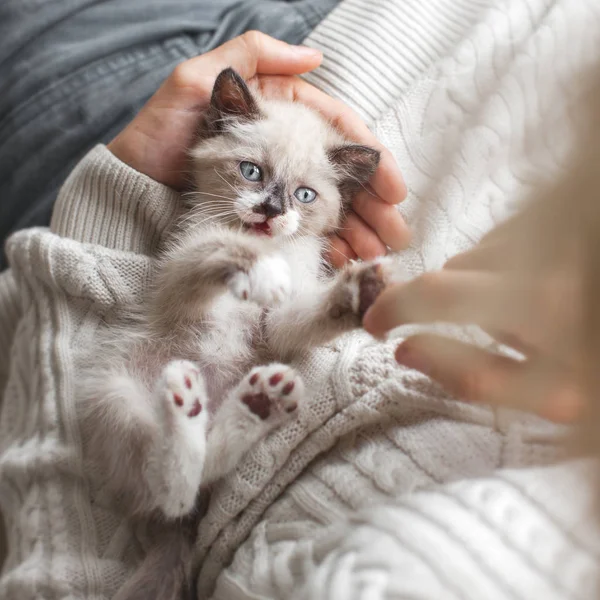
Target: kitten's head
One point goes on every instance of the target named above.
(272, 167)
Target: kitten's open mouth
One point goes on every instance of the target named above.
(263, 228)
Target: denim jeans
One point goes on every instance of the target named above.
(74, 72)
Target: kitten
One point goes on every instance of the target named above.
(200, 376)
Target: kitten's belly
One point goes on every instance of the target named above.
(223, 346)
(226, 349)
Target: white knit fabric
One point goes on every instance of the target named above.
(478, 111)
(384, 487)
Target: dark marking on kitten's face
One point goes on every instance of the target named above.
(275, 203)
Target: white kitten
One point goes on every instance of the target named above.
(179, 398)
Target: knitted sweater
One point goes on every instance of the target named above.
(384, 487)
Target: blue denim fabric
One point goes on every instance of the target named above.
(74, 72)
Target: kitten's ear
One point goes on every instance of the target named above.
(231, 98)
(355, 165)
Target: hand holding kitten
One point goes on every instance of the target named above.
(157, 141)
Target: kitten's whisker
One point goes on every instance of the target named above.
(225, 180)
(303, 229)
(216, 215)
(215, 203)
(215, 195)
(193, 217)
(339, 252)
(221, 216)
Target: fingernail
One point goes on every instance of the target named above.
(409, 357)
(307, 52)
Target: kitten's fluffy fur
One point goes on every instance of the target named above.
(191, 384)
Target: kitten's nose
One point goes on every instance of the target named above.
(271, 207)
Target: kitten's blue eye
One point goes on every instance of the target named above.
(250, 171)
(305, 195)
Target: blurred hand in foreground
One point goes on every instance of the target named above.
(536, 312)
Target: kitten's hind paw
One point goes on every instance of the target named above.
(267, 283)
(272, 393)
(175, 464)
(182, 387)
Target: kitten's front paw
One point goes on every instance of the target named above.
(361, 284)
(272, 393)
(267, 283)
(182, 388)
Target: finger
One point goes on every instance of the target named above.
(361, 238)
(506, 246)
(387, 182)
(478, 258)
(339, 252)
(450, 296)
(254, 52)
(513, 341)
(491, 255)
(384, 219)
(191, 83)
(463, 370)
(474, 375)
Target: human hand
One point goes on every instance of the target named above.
(156, 142)
(533, 306)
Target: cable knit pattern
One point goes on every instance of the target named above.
(64, 540)
(375, 50)
(384, 487)
(476, 122)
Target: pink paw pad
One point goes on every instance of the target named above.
(196, 409)
(184, 386)
(275, 389)
(275, 379)
(259, 404)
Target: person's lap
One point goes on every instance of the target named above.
(74, 72)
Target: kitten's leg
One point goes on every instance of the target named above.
(149, 447)
(264, 399)
(176, 458)
(339, 307)
(204, 265)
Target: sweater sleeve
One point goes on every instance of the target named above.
(106, 202)
(63, 286)
(103, 202)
